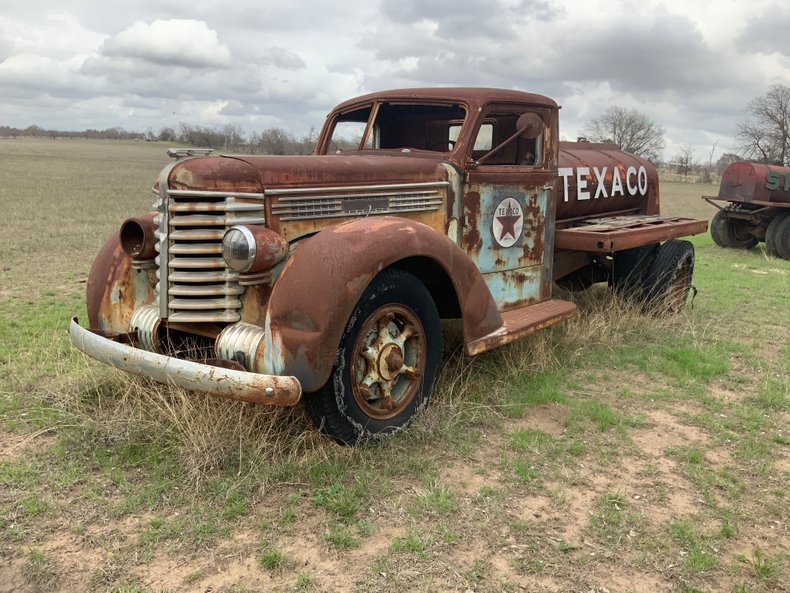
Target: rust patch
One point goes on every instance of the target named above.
(311, 327)
(473, 242)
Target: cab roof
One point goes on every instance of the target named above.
(474, 97)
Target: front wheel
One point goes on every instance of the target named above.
(386, 362)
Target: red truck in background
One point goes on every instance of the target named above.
(324, 278)
(757, 208)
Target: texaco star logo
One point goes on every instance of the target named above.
(508, 222)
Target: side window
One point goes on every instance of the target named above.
(346, 135)
(511, 149)
(483, 142)
(348, 130)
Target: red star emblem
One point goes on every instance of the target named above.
(508, 222)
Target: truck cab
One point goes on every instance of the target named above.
(324, 277)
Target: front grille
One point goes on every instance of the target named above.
(347, 201)
(194, 284)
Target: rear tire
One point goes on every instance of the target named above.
(777, 236)
(386, 363)
(731, 232)
(630, 269)
(669, 279)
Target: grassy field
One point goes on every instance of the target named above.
(614, 453)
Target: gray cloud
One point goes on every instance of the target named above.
(146, 63)
(282, 58)
(767, 32)
(466, 20)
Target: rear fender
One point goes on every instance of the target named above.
(326, 275)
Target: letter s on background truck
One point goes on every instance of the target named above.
(272, 279)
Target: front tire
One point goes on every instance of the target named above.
(386, 363)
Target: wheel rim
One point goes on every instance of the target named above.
(388, 361)
(679, 286)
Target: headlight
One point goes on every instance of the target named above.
(252, 249)
(238, 248)
(138, 237)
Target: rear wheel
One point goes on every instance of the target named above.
(386, 363)
(731, 232)
(777, 236)
(630, 269)
(669, 280)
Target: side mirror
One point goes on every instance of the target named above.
(529, 125)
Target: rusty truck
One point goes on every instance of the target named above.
(324, 278)
(756, 208)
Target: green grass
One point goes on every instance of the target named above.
(270, 557)
(529, 459)
(413, 543)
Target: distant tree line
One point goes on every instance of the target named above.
(39, 132)
(229, 137)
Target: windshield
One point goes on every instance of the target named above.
(398, 126)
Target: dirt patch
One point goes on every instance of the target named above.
(468, 478)
(16, 446)
(12, 578)
(548, 418)
(666, 432)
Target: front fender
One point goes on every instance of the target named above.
(324, 278)
(115, 289)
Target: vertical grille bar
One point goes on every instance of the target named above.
(194, 285)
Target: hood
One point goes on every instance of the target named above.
(258, 173)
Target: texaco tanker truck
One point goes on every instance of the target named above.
(756, 208)
(324, 278)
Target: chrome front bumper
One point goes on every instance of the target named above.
(274, 390)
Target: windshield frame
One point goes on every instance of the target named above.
(365, 145)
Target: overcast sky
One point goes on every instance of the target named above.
(691, 65)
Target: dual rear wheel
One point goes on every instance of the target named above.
(731, 232)
(777, 236)
(736, 233)
(657, 276)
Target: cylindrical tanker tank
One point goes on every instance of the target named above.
(600, 179)
(755, 183)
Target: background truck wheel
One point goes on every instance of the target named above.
(630, 269)
(730, 232)
(386, 362)
(669, 279)
(777, 236)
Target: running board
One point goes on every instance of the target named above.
(519, 323)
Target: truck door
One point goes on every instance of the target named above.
(509, 205)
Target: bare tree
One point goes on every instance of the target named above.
(684, 161)
(707, 170)
(726, 160)
(631, 130)
(765, 134)
(233, 136)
